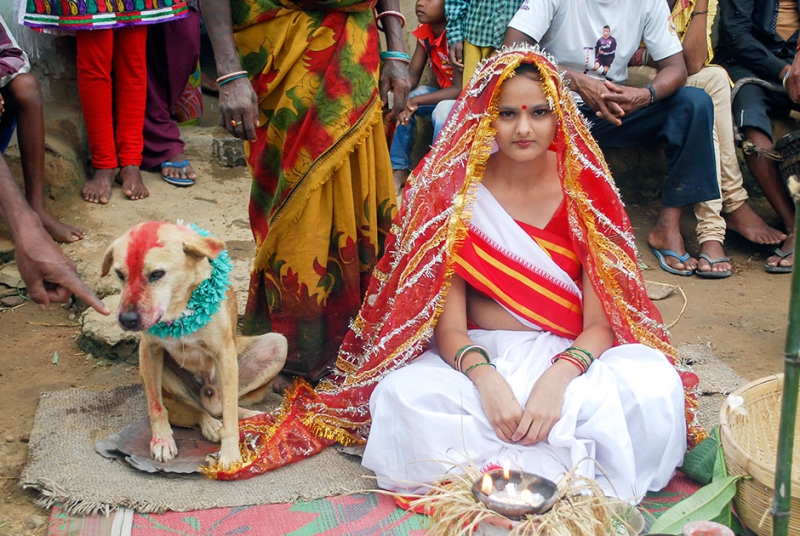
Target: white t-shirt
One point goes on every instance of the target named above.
(573, 32)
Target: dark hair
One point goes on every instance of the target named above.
(607, 27)
(529, 69)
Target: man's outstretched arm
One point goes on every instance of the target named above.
(49, 274)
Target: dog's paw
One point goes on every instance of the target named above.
(210, 427)
(163, 449)
(228, 460)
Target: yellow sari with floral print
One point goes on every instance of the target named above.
(322, 196)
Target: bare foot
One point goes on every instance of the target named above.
(183, 172)
(130, 177)
(787, 259)
(714, 250)
(60, 231)
(747, 223)
(666, 235)
(98, 188)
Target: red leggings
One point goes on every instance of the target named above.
(123, 51)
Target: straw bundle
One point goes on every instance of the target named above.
(750, 443)
(582, 508)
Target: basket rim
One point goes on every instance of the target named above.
(726, 436)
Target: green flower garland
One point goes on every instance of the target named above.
(205, 300)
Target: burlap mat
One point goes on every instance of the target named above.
(717, 380)
(64, 467)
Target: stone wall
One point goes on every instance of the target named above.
(53, 62)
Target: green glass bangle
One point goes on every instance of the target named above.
(231, 79)
(584, 351)
(395, 55)
(478, 364)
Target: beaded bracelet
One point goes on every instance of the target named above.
(395, 55)
(230, 75)
(652, 91)
(231, 79)
(478, 364)
(379, 16)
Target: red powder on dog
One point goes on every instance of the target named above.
(144, 237)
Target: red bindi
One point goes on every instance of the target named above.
(524, 107)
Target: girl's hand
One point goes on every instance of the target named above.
(2, 106)
(498, 402)
(405, 115)
(543, 408)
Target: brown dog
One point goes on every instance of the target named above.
(191, 361)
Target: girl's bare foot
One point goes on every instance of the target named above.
(747, 223)
(130, 177)
(98, 188)
(60, 231)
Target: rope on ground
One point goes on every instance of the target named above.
(683, 294)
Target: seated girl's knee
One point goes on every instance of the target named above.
(442, 110)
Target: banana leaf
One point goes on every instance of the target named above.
(699, 463)
(709, 503)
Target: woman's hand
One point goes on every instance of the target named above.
(394, 78)
(498, 402)
(238, 108)
(543, 408)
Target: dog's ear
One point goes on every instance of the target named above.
(203, 246)
(108, 259)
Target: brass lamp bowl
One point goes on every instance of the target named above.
(516, 511)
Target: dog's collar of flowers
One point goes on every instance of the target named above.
(204, 302)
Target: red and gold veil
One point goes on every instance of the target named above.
(409, 284)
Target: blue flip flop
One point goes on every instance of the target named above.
(661, 256)
(177, 181)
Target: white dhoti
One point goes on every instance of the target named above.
(622, 421)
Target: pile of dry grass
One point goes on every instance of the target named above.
(582, 508)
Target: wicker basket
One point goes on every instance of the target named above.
(750, 446)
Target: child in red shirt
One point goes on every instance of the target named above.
(425, 101)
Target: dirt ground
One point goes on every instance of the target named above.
(743, 318)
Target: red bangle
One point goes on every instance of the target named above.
(797, 47)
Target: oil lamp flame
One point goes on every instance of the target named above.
(487, 485)
(526, 496)
(507, 470)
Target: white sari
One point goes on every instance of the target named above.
(622, 422)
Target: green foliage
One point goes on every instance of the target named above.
(699, 463)
(711, 502)
(704, 464)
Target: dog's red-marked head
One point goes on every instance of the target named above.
(159, 265)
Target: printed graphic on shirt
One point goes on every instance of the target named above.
(600, 57)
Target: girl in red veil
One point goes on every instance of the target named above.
(452, 224)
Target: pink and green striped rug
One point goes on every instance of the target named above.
(363, 514)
